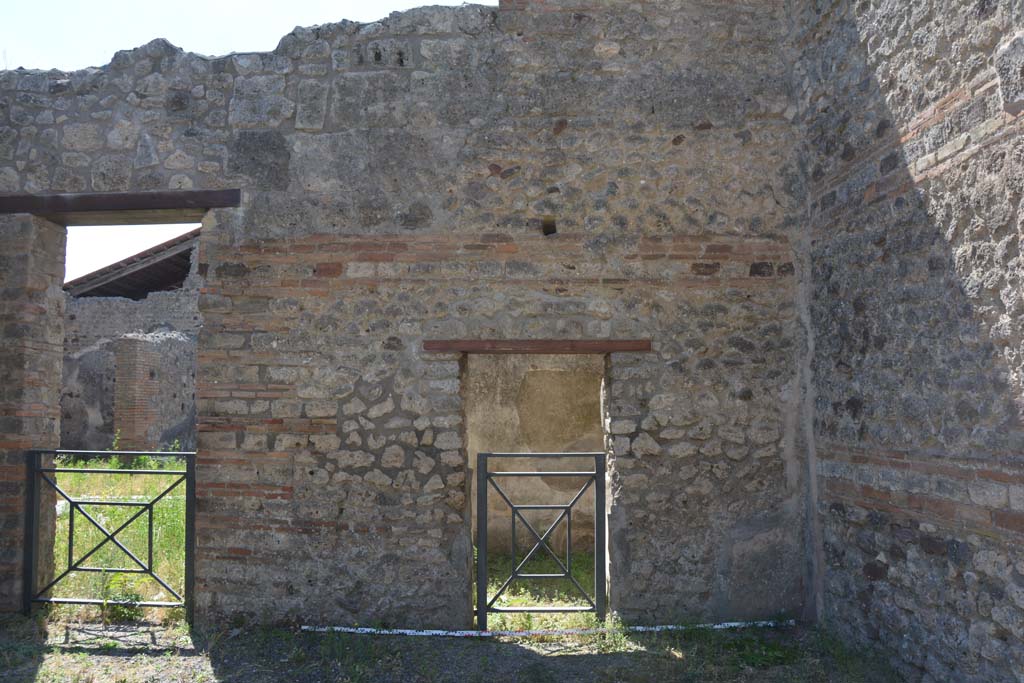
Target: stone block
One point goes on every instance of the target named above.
(263, 156)
(311, 105)
(1017, 498)
(988, 494)
(259, 102)
(82, 137)
(1009, 63)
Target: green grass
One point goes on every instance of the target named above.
(730, 650)
(545, 592)
(33, 650)
(168, 538)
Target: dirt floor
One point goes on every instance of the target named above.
(35, 650)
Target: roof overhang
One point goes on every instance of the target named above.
(161, 268)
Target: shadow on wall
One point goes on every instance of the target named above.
(136, 389)
(87, 398)
(915, 295)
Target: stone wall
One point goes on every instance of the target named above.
(87, 398)
(914, 177)
(31, 303)
(100, 331)
(563, 171)
(377, 214)
(812, 208)
(91, 320)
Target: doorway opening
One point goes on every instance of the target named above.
(80, 523)
(540, 530)
(128, 422)
(131, 329)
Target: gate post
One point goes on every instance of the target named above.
(481, 541)
(600, 542)
(190, 538)
(28, 584)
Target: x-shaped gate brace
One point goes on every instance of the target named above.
(38, 473)
(486, 480)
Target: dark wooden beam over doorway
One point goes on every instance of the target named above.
(121, 208)
(549, 346)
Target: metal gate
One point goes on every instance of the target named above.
(488, 483)
(42, 471)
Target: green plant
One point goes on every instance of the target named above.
(117, 589)
(537, 672)
(615, 639)
(296, 655)
(173, 617)
(144, 462)
(760, 652)
(853, 664)
(151, 462)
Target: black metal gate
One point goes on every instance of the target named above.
(488, 482)
(42, 470)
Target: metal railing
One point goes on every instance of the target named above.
(40, 474)
(487, 481)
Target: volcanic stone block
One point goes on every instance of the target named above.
(262, 155)
(1010, 67)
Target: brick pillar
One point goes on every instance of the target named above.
(31, 354)
(135, 386)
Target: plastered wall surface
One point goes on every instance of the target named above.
(534, 404)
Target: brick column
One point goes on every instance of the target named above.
(135, 386)
(31, 354)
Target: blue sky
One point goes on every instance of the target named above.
(71, 34)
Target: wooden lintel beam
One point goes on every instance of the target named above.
(551, 346)
(155, 217)
(112, 208)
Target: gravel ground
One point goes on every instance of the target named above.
(33, 650)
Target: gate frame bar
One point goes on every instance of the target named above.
(597, 477)
(33, 473)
